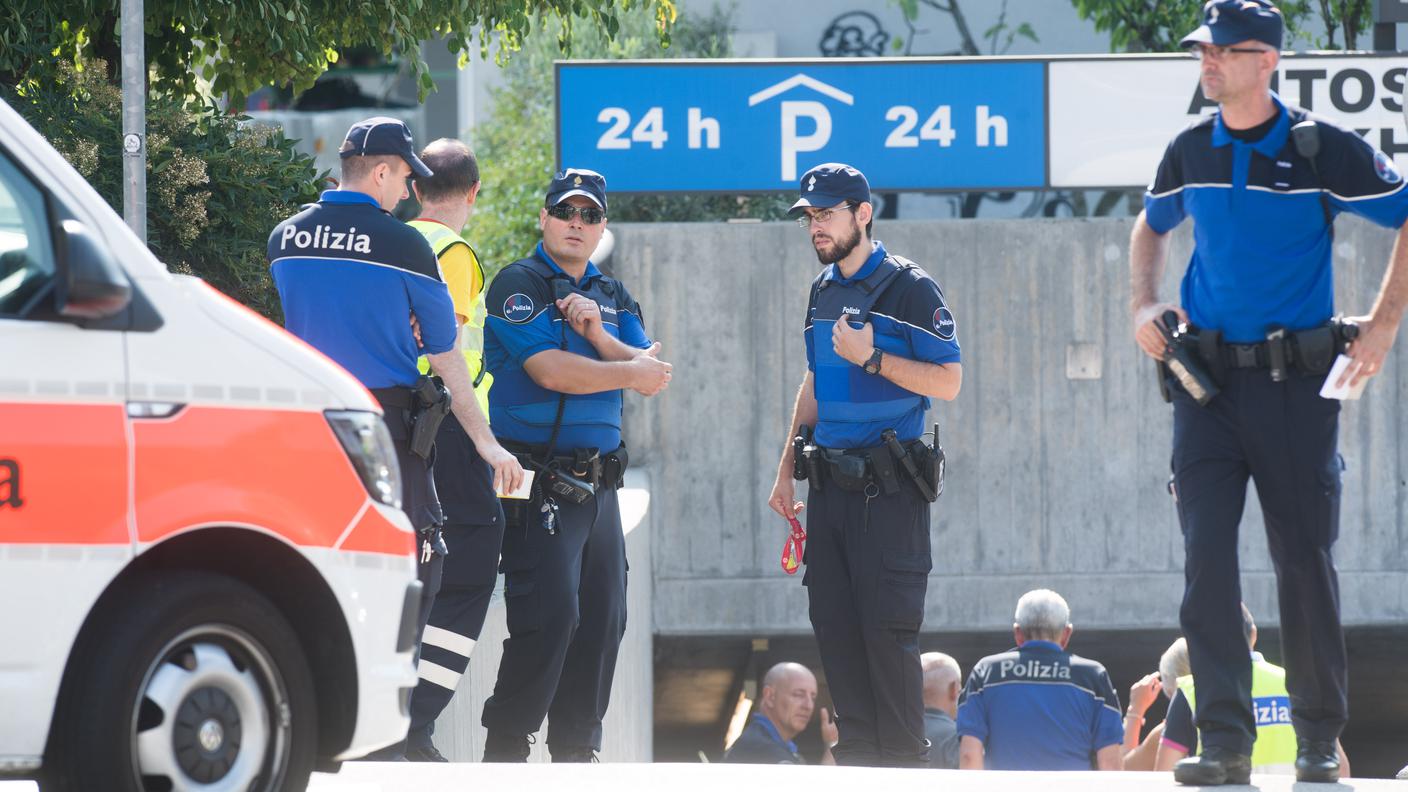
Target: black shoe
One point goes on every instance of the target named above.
(510, 748)
(396, 752)
(425, 753)
(574, 755)
(1213, 767)
(1317, 762)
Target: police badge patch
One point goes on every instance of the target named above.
(1383, 165)
(518, 308)
(944, 325)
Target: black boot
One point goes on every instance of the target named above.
(424, 753)
(583, 754)
(1214, 766)
(1317, 762)
(511, 748)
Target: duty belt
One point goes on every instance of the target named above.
(584, 463)
(869, 470)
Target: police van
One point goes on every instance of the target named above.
(205, 577)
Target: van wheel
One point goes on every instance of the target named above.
(190, 682)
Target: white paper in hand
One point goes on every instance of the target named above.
(1329, 391)
(523, 489)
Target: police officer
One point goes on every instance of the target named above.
(474, 523)
(349, 277)
(563, 341)
(1274, 751)
(1262, 181)
(880, 342)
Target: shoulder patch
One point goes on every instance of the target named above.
(944, 325)
(1383, 166)
(518, 308)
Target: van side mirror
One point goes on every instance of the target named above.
(90, 284)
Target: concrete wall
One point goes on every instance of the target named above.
(1058, 445)
(627, 730)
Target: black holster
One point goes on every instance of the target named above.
(430, 404)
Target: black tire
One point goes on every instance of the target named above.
(195, 660)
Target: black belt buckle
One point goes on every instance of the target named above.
(1243, 356)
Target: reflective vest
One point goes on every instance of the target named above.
(1275, 748)
(441, 239)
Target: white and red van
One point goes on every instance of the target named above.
(205, 578)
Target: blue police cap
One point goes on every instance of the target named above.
(829, 184)
(577, 181)
(383, 135)
(1227, 22)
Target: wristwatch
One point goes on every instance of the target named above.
(872, 366)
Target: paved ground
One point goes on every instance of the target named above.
(362, 777)
(387, 777)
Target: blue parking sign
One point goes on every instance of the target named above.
(739, 126)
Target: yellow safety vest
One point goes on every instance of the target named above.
(1275, 748)
(441, 238)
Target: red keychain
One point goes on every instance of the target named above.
(792, 551)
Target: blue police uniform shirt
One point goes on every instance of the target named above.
(1262, 250)
(910, 320)
(522, 321)
(1037, 707)
(349, 276)
(761, 743)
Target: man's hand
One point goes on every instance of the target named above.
(784, 496)
(508, 474)
(582, 314)
(852, 345)
(415, 330)
(829, 733)
(652, 374)
(1368, 352)
(1143, 694)
(1147, 321)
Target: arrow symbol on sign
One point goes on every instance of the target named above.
(803, 80)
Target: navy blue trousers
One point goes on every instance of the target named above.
(1283, 437)
(455, 621)
(565, 596)
(867, 572)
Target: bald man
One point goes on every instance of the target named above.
(784, 710)
(942, 682)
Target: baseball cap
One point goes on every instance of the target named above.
(577, 181)
(829, 184)
(1227, 22)
(383, 135)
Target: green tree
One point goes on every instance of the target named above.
(239, 47)
(216, 186)
(1157, 25)
(515, 146)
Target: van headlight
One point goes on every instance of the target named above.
(368, 444)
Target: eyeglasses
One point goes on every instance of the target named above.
(591, 215)
(1214, 53)
(806, 221)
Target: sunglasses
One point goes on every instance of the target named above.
(591, 215)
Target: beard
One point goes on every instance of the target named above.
(840, 247)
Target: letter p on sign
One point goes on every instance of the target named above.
(794, 143)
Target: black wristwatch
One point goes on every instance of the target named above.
(872, 366)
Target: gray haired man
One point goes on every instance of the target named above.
(1037, 707)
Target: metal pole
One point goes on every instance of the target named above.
(134, 118)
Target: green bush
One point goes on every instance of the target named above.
(216, 185)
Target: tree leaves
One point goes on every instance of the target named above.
(288, 42)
